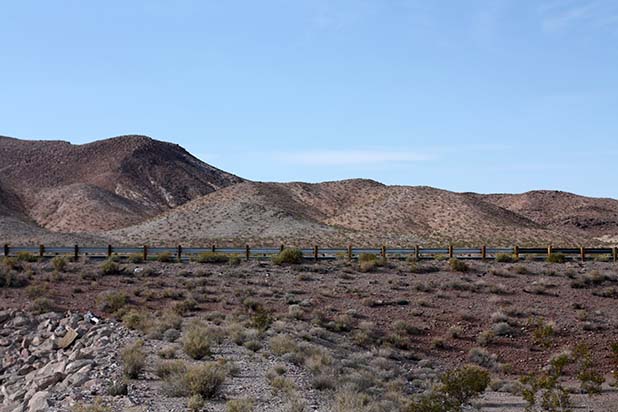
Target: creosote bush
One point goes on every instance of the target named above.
(505, 258)
(289, 255)
(556, 258)
(240, 405)
(205, 380)
(133, 360)
(27, 257)
(211, 257)
(136, 258)
(110, 268)
(196, 342)
(165, 257)
(458, 265)
(59, 263)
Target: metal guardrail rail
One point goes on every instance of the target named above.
(315, 252)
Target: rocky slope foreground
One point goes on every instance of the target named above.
(98, 186)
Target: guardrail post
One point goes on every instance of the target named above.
(41, 250)
(516, 252)
(349, 252)
(582, 252)
(247, 252)
(109, 251)
(483, 252)
(417, 252)
(179, 253)
(383, 252)
(281, 248)
(315, 253)
(549, 250)
(213, 248)
(450, 251)
(145, 253)
(615, 253)
(76, 252)
(6, 249)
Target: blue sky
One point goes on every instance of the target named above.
(487, 96)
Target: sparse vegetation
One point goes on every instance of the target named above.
(133, 360)
(288, 255)
(458, 265)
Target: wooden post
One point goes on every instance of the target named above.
(450, 251)
(247, 252)
(76, 252)
(109, 251)
(145, 253)
(383, 252)
(349, 252)
(516, 252)
(41, 250)
(483, 252)
(549, 249)
(213, 248)
(582, 252)
(6, 249)
(179, 253)
(315, 253)
(615, 253)
(417, 252)
(281, 248)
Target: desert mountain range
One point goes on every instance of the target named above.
(137, 190)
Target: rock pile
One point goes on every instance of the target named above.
(51, 361)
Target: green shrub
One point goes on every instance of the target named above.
(110, 268)
(234, 260)
(135, 320)
(42, 305)
(556, 258)
(196, 342)
(112, 301)
(136, 258)
(506, 258)
(367, 266)
(170, 368)
(420, 269)
(13, 280)
(240, 405)
(59, 263)
(211, 257)
(195, 403)
(205, 379)
(543, 332)
(458, 265)
(289, 255)
(367, 257)
(165, 257)
(27, 257)
(133, 360)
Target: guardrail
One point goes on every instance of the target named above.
(316, 253)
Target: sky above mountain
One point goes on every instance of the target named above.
(486, 96)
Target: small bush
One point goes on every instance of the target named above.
(43, 305)
(206, 379)
(282, 344)
(289, 255)
(136, 258)
(133, 360)
(59, 263)
(170, 368)
(556, 258)
(458, 265)
(367, 266)
(13, 280)
(211, 257)
(112, 301)
(165, 257)
(234, 260)
(240, 405)
(196, 342)
(367, 257)
(195, 403)
(110, 268)
(543, 332)
(420, 269)
(27, 257)
(505, 258)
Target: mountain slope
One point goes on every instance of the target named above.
(103, 185)
(336, 213)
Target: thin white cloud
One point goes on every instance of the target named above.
(564, 15)
(350, 157)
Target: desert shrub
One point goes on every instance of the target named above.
(185, 306)
(542, 332)
(118, 388)
(456, 389)
(27, 257)
(602, 258)
(590, 379)
(165, 257)
(543, 391)
(135, 320)
(133, 360)
(136, 258)
(196, 342)
(505, 258)
(211, 257)
(42, 305)
(110, 268)
(289, 255)
(112, 301)
(282, 344)
(240, 405)
(458, 265)
(521, 270)
(420, 269)
(13, 280)
(10, 263)
(502, 329)
(59, 263)
(234, 260)
(556, 258)
(196, 403)
(170, 368)
(367, 257)
(367, 266)
(97, 406)
(485, 337)
(482, 358)
(205, 379)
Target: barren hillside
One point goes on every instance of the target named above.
(102, 185)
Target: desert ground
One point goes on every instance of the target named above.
(221, 334)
